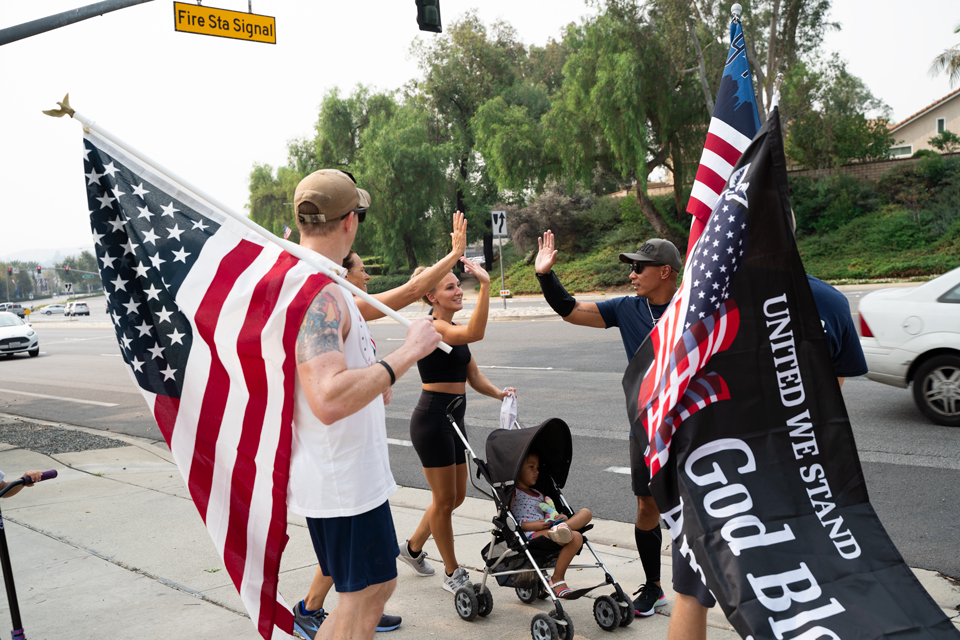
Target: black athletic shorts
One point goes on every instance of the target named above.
(687, 581)
(639, 471)
(434, 438)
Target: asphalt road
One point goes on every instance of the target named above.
(912, 467)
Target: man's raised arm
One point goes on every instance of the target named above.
(332, 390)
(585, 314)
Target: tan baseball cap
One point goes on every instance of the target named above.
(655, 250)
(331, 191)
(364, 198)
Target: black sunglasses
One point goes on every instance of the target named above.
(361, 214)
(637, 267)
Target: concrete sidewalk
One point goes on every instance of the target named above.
(114, 548)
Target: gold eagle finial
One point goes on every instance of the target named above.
(64, 110)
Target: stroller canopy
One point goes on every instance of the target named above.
(507, 449)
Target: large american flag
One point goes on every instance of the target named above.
(734, 123)
(206, 314)
(701, 321)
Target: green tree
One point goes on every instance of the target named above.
(825, 110)
(948, 62)
(404, 170)
(271, 195)
(462, 69)
(945, 142)
(626, 105)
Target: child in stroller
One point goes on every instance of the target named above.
(558, 528)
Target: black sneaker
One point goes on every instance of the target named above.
(305, 625)
(651, 596)
(388, 623)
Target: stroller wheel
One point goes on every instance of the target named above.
(529, 595)
(544, 627)
(484, 600)
(606, 612)
(564, 625)
(627, 612)
(465, 600)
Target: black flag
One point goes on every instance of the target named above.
(752, 459)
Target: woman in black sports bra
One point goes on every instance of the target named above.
(441, 452)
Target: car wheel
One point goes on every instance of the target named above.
(48, 312)
(936, 390)
(34, 352)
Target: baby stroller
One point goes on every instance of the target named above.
(514, 561)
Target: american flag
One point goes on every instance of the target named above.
(701, 321)
(207, 313)
(734, 123)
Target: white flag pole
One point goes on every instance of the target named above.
(324, 265)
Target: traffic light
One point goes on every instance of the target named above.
(38, 269)
(428, 15)
(67, 269)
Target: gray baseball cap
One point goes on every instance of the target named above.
(655, 250)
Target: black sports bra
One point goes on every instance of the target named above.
(442, 367)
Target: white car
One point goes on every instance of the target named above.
(913, 336)
(52, 308)
(16, 336)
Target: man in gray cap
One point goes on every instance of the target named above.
(653, 275)
(340, 478)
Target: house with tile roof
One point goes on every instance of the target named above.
(912, 134)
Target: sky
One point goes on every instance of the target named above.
(210, 108)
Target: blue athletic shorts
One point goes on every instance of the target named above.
(357, 551)
(688, 582)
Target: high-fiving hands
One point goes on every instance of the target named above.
(547, 255)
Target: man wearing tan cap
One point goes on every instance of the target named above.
(309, 613)
(340, 477)
(653, 275)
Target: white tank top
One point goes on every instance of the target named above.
(342, 469)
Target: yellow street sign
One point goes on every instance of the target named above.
(207, 21)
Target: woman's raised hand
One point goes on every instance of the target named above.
(473, 267)
(459, 235)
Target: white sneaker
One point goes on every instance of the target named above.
(459, 579)
(418, 562)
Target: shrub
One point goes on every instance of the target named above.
(379, 284)
(825, 204)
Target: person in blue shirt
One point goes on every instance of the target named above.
(653, 275)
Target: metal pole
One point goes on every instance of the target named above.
(500, 238)
(42, 25)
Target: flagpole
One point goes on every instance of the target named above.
(323, 264)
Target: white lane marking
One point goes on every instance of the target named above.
(402, 443)
(111, 355)
(624, 470)
(40, 395)
(395, 339)
(494, 366)
(82, 339)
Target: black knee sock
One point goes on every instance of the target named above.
(648, 546)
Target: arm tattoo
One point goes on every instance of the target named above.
(582, 310)
(320, 330)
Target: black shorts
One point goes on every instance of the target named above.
(356, 551)
(687, 581)
(639, 471)
(434, 439)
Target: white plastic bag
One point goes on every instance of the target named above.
(508, 412)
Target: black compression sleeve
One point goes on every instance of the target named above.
(557, 297)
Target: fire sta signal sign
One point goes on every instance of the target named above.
(192, 18)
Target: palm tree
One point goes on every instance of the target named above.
(948, 61)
